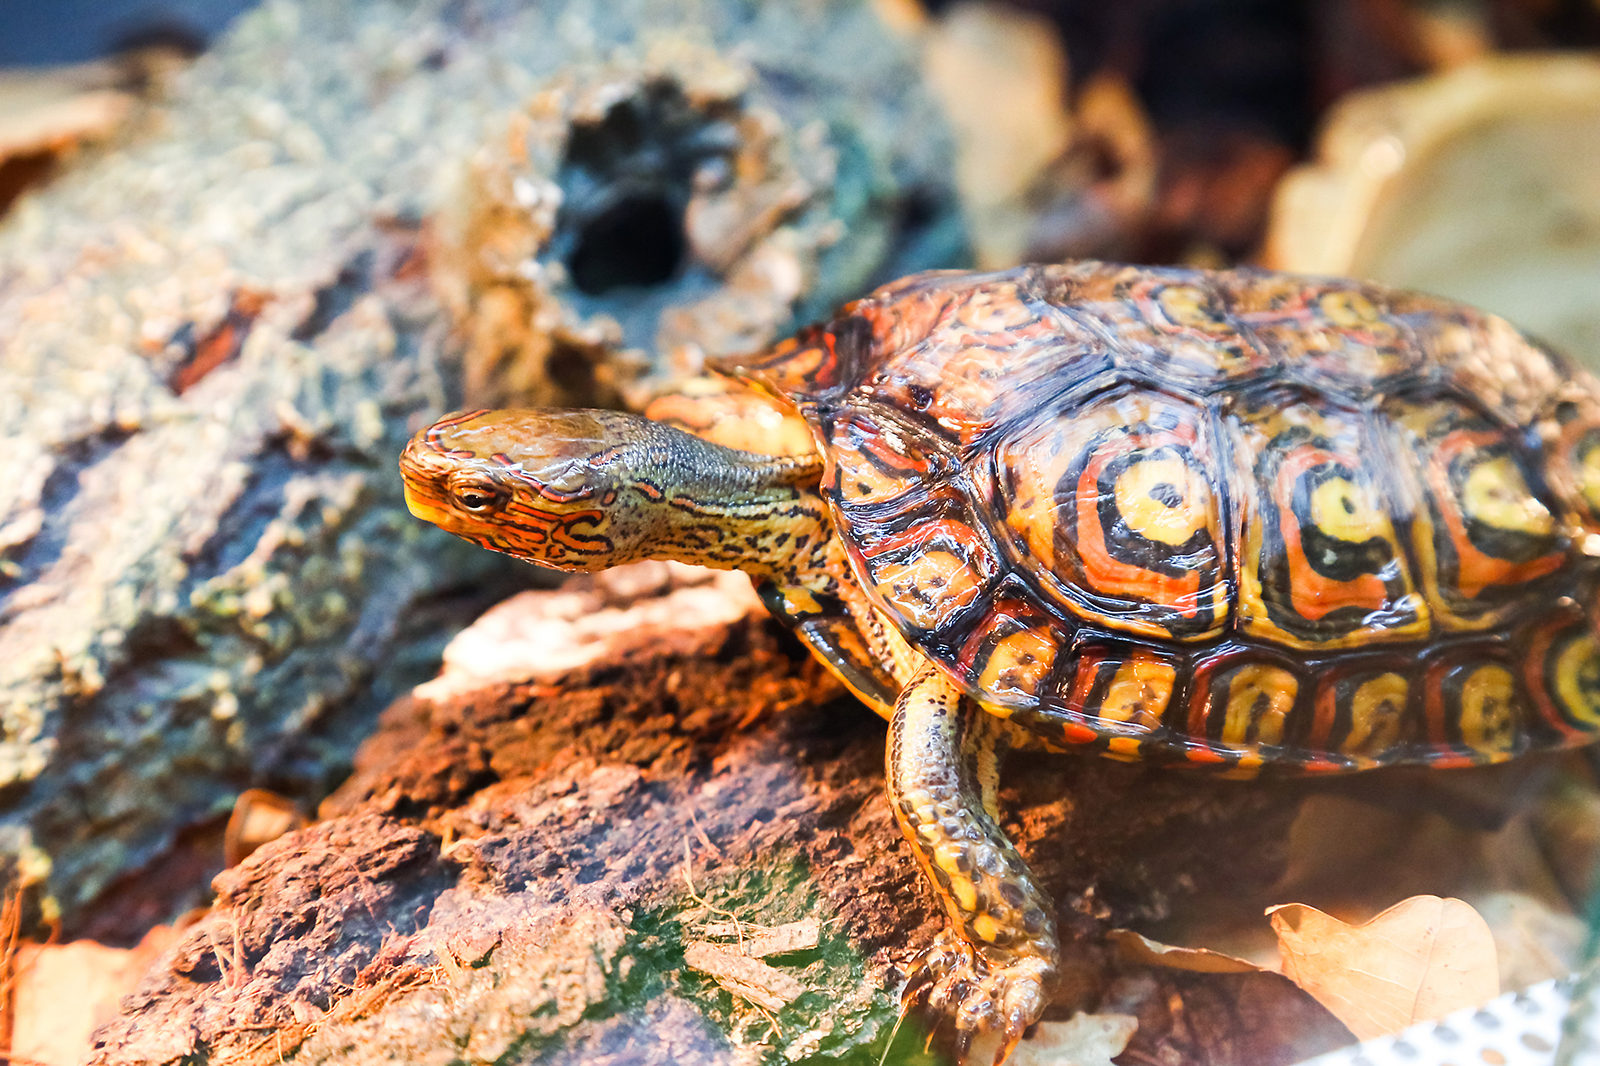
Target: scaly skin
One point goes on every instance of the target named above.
(990, 968)
(588, 490)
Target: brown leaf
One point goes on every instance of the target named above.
(1420, 959)
(1132, 947)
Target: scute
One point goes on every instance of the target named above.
(1175, 324)
(1320, 562)
(1484, 534)
(1112, 509)
(1231, 519)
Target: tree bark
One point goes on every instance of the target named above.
(579, 862)
(345, 220)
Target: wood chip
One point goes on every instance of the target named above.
(747, 978)
(757, 942)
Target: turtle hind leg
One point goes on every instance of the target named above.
(990, 968)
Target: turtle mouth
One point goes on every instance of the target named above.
(424, 508)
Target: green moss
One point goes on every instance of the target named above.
(843, 1016)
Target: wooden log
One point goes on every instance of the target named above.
(577, 842)
(216, 332)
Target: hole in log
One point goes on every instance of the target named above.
(636, 241)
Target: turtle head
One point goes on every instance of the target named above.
(567, 489)
(587, 490)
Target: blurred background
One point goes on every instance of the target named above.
(1448, 145)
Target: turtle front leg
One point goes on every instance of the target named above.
(989, 969)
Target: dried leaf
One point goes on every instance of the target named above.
(760, 941)
(259, 816)
(747, 978)
(1084, 1040)
(63, 991)
(1418, 960)
(1132, 947)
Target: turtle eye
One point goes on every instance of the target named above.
(477, 497)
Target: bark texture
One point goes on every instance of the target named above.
(216, 333)
(569, 846)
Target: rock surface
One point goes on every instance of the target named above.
(577, 855)
(216, 333)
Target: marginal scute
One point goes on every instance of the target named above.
(1257, 705)
(928, 588)
(1017, 668)
(904, 313)
(814, 363)
(1377, 715)
(1572, 462)
(1562, 672)
(1138, 692)
(1487, 716)
(1365, 716)
(1574, 670)
(1241, 705)
(873, 462)
(1116, 691)
(1476, 710)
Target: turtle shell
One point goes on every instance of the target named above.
(1230, 518)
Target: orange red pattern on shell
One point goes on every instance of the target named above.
(1403, 490)
(1484, 534)
(1320, 564)
(1111, 509)
(1561, 672)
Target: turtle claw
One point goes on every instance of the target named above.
(964, 994)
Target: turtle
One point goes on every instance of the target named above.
(1233, 520)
